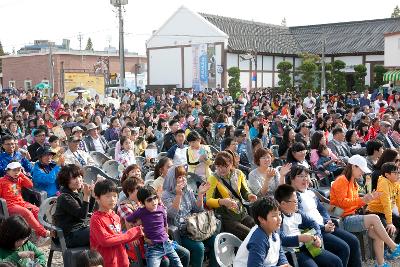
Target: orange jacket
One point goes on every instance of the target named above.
(11, 191)
(344, 194)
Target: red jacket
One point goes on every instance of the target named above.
(11, 190)
(106, 237)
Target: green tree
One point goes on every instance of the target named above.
(338, 76)
(285, 80)
(379, 72)
(308, 71)
(359, 77)
(396, 12)
(234, 81)
(89, 45)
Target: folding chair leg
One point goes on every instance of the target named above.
(50, 258)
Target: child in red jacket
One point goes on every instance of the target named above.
(10, 189)
(105, 227)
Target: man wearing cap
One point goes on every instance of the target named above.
(219, 135)
(9, 144)
(40, 138)
(94, 141)
(384, 137)
(45, 170)
(76, 156)
(77, 132)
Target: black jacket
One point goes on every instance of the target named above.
(169, 141)
(71, 211)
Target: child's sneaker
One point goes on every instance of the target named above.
(43, 241)
(395, 253)
(385, 264)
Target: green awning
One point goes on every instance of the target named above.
(393, 75)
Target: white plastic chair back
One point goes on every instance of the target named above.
(225, 247)
(110, 167)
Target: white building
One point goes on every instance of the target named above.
(174, 51)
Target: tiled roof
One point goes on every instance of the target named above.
(341, 38)
(346, 37)
(245, 35)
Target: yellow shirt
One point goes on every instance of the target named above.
(390, 196)
(215, 184)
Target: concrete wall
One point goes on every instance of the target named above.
(392, 50)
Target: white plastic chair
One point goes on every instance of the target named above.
(110, 167)
(99, 158)
(46, 212)
(225, 247)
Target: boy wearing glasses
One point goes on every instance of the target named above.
(154, 221)
(301, 232)
(384, 205)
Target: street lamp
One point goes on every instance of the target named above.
(118, 4)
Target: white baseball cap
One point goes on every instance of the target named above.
(13, 165)
(360, 162)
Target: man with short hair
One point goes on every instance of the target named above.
(39, 136)
(169, 138)
(309, 102)
(303, 135)
(340, 148)
(10, 154)
(374, 152)
(384, 137)
(28, 103)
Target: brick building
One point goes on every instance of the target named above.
(26, 70)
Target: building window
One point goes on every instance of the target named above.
(11, 84)
(398, 43)
(27, 84)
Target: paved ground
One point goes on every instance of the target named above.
(57, 259)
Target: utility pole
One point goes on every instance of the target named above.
(51, 67)
(323, 79)
(118, 4)
(80, 41)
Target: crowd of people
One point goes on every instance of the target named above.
(253, 158)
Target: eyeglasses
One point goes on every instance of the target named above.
(152, 198)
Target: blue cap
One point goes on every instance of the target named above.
(221, 125)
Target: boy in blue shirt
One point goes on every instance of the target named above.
(262, 246)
